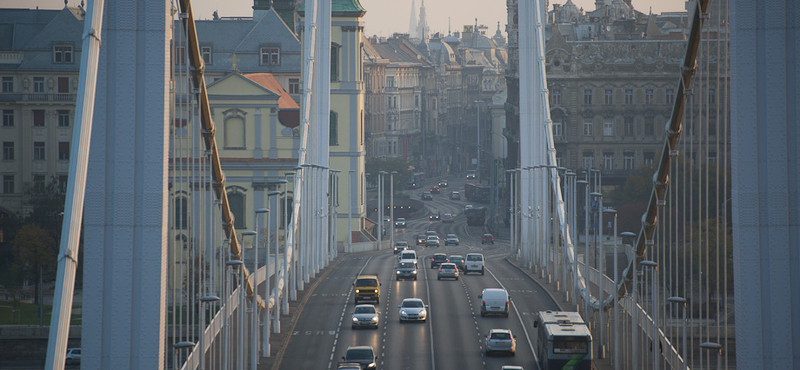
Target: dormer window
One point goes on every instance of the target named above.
(62, 54)
(205, 51)
(270, 56)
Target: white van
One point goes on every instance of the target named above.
(494, 301)
(409, 255)
(473, 263)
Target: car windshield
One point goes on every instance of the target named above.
(366, 282)
(474, 258)
(439, 258)
(501, 336)
(406, 265)
(359, 354)
(448, 266)
(412, 304)
(365, 309)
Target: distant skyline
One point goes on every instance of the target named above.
(385, 17)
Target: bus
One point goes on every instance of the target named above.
(564, 341)
(477, 192)
(476, 216)
(415, 181)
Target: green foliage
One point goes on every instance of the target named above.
(375, 165)
(637, 187)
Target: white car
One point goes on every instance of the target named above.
(365, 316)
(413, 309)
(432, 241)
(451, 239)
(500, 340)
(473, 263)
(73, 356)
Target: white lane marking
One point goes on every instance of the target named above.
(429, 320)
(519, 317)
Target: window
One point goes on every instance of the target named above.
(8, 84)
(38, 118)
(8, 118)
(608, 127)
(38, 84)
(272, 56)
(587, 97)
(588, 160)
(712, 96)
(649, 126)
(416, 101)
(648, 96)
(559, 160)
(629, 126)
(648, 158)
(8, 184)
(63, 118)
(334, 63)
(62, 182)
(628, 96)
(63, 150)
(181, 213)
(609, 97)
(234, 130)
(712, 158)
(205, 51)
(38, 181)
(236, 204)
(334, 131)
(180, 55)
(8, 150)
(628, 159)
(294, 86)
(608, 160)
(62, 54)
(389, 81)
(63, 86)
(555, 97)
(670, 96)
(38, 151)
(558, 128)
(587, 128)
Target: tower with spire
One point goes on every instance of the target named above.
(412, 21)
(422, 27)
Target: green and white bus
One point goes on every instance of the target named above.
(564, 341)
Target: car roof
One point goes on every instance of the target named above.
(367, 277)
(456, 256)
(365, 305)
(439, 254)
(497, 330)
(449, 235)
(360, 347)
(412, 299)
(487, 234)
(448, 263)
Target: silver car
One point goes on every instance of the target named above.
(413, 309)
(406, 270)
(451, 239)
(447, 271)
(433, 241)
(365, 316)
(500, 340)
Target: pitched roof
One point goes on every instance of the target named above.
(268, 81)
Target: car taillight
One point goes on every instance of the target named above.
(440, 269)
(506, 305)
(483, 303)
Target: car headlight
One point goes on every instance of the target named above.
(358, 291)
(403, 312)
(375, 318)
(414, 272)
(355, 319)
(398, 272)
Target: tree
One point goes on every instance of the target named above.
(35, 253)
(374, 165)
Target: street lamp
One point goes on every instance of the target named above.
(634, 315)
(265, 347)
(711, 346)
(681, 302)
(380, 207)
(276, 323)
(656, 342)
(350, 210)
(600, 272)
(585, 242)
(254, 273)
(178, 348)
(391, 204)
(512, 210)
(203, 301)
(478, 144)
(616, 280)
(237, 264)
(288, 291)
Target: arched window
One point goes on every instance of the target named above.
(181, 213)
(236, 203)
(234, 129)
(334, 139)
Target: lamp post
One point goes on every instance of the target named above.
(391, 204)
(305, 244)
(203, 301)
(585, 244)
(237, 264)
(511, 207)
(711, 346)
(288, 292)
(254, 314)
(333, 175)
(478, 144)
(380, 207)
(276, 309)
(350, 210)
(178, 348)
(600, 272)
(616, 281)
(656, 342)
(681, 302)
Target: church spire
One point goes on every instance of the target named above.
(422, 27)
(412, 21)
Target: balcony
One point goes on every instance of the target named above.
(49, 97)
(11, 57)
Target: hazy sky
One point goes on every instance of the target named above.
(385, 17)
